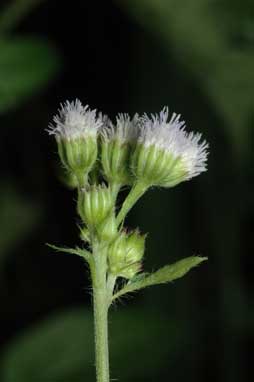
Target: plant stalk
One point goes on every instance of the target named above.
(135, 193)
(100, 305)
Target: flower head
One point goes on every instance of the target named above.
(125, 129)
(75, 121)
(75, 128)
(165, 153)
(117, 142)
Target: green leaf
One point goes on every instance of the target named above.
(163, 275)
(26, 65)
(61, 347)
(74, 251)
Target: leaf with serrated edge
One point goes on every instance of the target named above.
(163, 275)
(75, 251)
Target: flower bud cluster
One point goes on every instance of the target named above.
(142, 151)
(154, 150)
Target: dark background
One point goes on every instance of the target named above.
(197, 57)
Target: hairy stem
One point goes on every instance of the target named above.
(115, 187)
(110, 286)
(100, 304)
(136, 192)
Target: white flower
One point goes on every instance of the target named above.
(75, 121)
(125, 130)
(171, 137)
(75, 128)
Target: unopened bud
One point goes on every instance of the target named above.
(125, 254)
(107, 230)
(95, 204)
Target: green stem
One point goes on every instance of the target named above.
(82, 179)
(136, 192)
(115, 188)
(100, 303)
(110, 286)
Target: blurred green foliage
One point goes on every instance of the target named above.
(26, 65)
(204, 37)
(60, 348)
(18, 218)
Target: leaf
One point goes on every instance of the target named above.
(163, 275)
(74, 251)
(26, 65)
(61, 347)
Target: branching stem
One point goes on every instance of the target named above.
(136, 192)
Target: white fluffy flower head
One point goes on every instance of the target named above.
(125, 130)
(171, 136)
(75, 121)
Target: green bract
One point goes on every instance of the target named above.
(78, 155)
(156, 167)
(115, 155)
(117, 143)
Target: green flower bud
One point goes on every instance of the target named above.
(76, 130)
(125, 254)
(117, 143)
(95, 204)
(107, 230)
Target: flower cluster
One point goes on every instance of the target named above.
(155, 150)
(99, 158)
(139, 152)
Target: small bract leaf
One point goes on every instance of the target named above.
(75, 251)
(163, 275)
